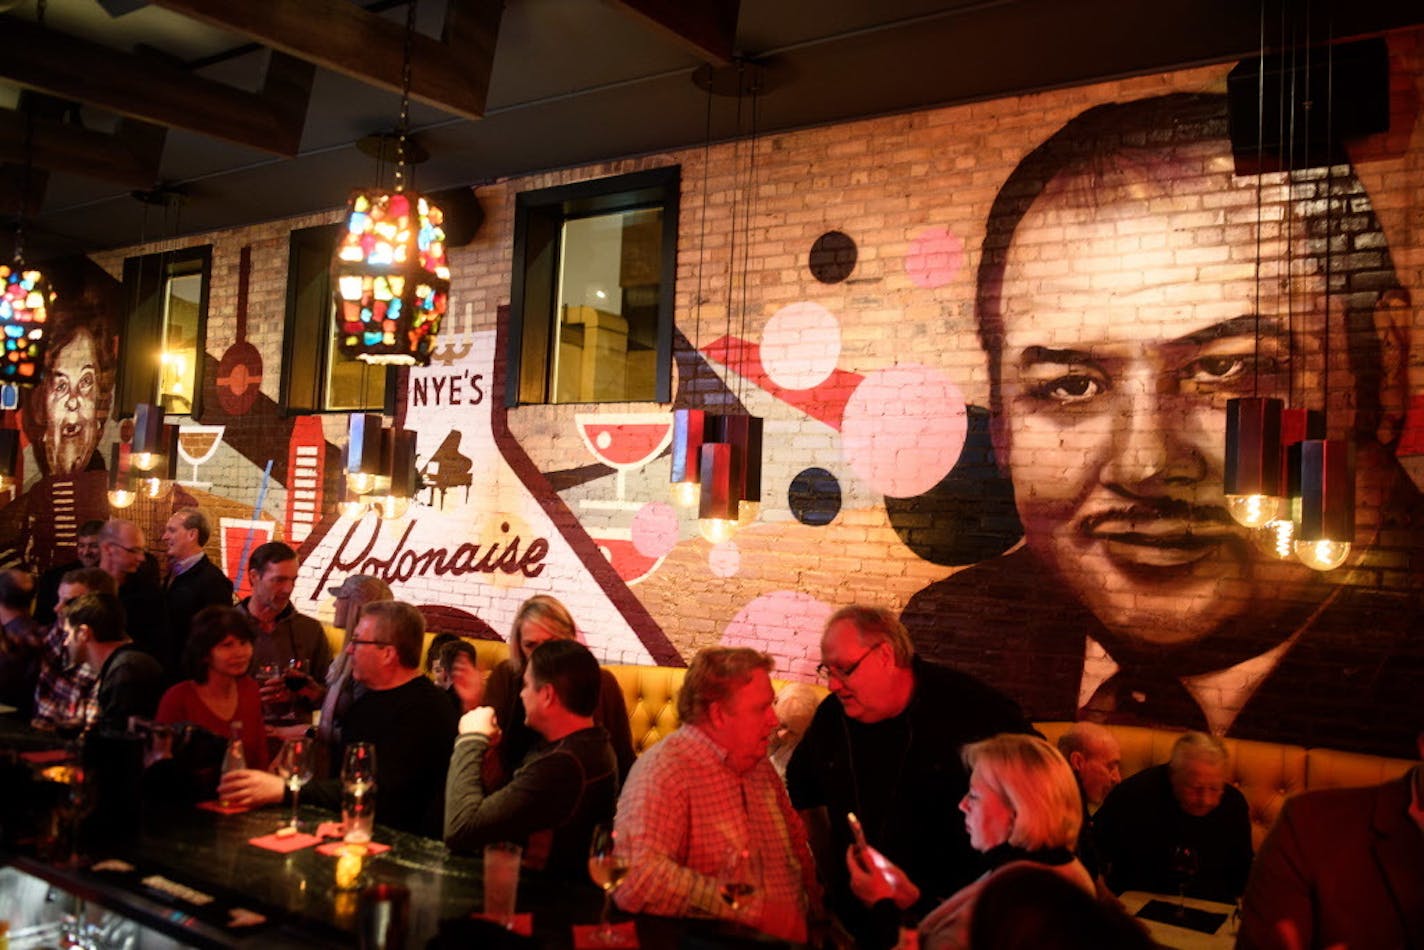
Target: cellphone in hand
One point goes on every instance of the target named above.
(856, 831)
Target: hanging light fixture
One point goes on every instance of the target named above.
(404, 479)
(146, 446)
(25, 294)
(390, 271)
(121, 483)
(1277, 537)
(1326, 515)
(1253, 459)
(364, 457)
(734, 439)
(165, 470)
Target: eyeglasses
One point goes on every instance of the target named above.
(137, 549)
(831, 672)
(375, 643)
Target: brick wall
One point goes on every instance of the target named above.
(872, 385)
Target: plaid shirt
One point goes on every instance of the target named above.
(63, 691)
(683, 811)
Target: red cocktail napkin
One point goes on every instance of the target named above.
(285, 844)
(522, 924)
(587, 936)
(222, 809)
(373, 848)
(46, 756)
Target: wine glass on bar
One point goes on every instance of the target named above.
(607, 867)
(294, 765)
(1184, 866)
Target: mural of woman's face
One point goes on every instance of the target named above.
(71, 402)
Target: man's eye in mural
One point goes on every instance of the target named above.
(86, 384)
(1070, 389)
(1234, 370)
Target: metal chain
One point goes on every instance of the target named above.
(403, 128)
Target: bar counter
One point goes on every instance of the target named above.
(182, 870)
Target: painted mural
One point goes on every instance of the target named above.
(992, 346)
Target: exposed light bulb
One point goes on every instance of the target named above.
(747, 512)
(685, 494)
(1253, 511)
(1277, 538)
(362, 483)
(153, 487)
(352, 508)
(143, 461)
(393, 507)
(716, 530)
(121, 497)
(1323, 554)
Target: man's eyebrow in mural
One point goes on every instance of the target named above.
(1131, 600)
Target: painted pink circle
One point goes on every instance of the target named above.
(655, 529)
(725, 559)
(903, 429)
(935, 257)
(801, 345)
(785, 623)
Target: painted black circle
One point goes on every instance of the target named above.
(832, 257)
(814, 497)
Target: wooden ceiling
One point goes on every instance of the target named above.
(251, 109)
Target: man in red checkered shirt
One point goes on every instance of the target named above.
(704, 809)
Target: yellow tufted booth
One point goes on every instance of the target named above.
(1267, 773)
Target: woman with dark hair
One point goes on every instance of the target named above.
(462, 671)
(542, 618)
(218, 691)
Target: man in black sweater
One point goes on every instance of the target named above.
(565, 786)
(886, 745)
(407, 718)
(1178, 825)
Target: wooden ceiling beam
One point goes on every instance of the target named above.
(129, 157)
(451, 74)
(708, 28)
(156, 91)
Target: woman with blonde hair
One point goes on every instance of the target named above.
(542, 618)
(1022, 810)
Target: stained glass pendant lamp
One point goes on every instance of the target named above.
(24, 307)
(390, 271)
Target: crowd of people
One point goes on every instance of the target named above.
(913, 799)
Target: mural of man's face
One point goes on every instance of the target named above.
(1130, 318)
(72, 391)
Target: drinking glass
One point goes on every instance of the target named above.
(268, 673)
(501, 881)
(294, 765)
(358, 791)
(296, 676)
(741, 873)
(1184, 865)
(607, 866)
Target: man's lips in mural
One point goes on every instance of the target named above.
(1167, 534)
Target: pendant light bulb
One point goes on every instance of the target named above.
(362, 483)
(716, 530)
(121, 497)
(1277, 538)
(143, 461)
(685, 494)
(1322, 555)
(152, 487)
(1253, 511)
(352, 508)
(393, 507)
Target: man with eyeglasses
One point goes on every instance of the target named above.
(122, 553)
(408, 719)
(886, 745)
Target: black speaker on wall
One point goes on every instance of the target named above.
(463, 214)
(1306, 113)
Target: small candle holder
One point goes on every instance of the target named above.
(350, 869)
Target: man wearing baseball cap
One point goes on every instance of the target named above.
(351, 595)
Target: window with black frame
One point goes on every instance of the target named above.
(162, 345)
(316, 376)
(591, 314)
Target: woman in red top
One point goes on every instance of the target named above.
(219, 692)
